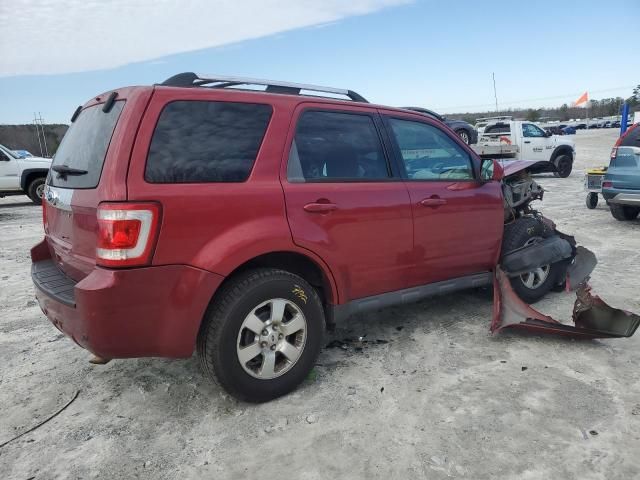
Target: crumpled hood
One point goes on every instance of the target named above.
(511, 167)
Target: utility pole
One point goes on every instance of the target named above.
(35, 124)
(44, 138)
(495, 95)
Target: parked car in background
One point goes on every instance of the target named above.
(569, 130)
(621, 184)
(615, 124)
(554, 130)
(22, 176)
(23, 153)
(581, 126)
(465, 131)
(518, 140)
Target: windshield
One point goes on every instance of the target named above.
(84, 147)
(8, 152)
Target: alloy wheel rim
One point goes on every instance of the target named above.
(40, 190)
(537, 277)
(271, 339)
(464, 136)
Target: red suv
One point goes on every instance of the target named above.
(199, 213)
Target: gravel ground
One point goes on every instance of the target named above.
(428, 394)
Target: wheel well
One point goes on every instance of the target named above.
(561, 150)
(295, 263)
(30, 176)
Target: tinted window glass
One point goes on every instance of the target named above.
(197, 142)
(331, 145)
(429, 153)
(627, 157)
(498, 128)
(84, 147)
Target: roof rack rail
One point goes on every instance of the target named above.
(190, 79)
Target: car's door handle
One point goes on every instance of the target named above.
(527, 141)
(320, 207)
(433, 202)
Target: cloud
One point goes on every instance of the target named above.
(52, 36)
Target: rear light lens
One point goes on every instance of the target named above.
(607, 184)
(127, 233)
(614, 152)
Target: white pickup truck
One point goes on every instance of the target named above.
(22, 176)
(520, 140)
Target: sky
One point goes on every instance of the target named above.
(56, 54)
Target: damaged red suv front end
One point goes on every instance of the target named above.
(591, 316)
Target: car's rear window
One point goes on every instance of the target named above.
(84, 146)
(627, 157)
(199, 141)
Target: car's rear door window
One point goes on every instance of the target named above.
(84, 147)
(336, 146)
(206, 141)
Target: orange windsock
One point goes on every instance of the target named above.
(584, 98)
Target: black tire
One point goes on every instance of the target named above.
(564, 165)
(464, 135)
(592, 200)
(32, 190)
(221, 331)
(623, 212)
(518, 234)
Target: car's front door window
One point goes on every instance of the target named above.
(428, 153)
(531, 130)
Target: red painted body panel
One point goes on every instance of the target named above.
(140, 312)
(367, 239)
(72, 235)
(378, 239)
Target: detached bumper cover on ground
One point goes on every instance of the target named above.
(592, 317)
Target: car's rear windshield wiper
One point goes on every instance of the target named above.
(64, 170)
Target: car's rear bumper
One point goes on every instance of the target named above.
(139, 312)
(622, 197)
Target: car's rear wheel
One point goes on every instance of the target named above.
(534, 285)
(623, 212)
(592, 200)
(262, 334)
(464, 135)
(35, 190)
(564, 165)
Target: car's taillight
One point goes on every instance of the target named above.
(607, 184)
(614, 152)
(127, 233)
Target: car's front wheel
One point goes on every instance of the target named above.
(262, 334)
(534, 285)
(623, 212)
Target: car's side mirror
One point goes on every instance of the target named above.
(491, 170)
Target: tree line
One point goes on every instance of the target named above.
(605, 107)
